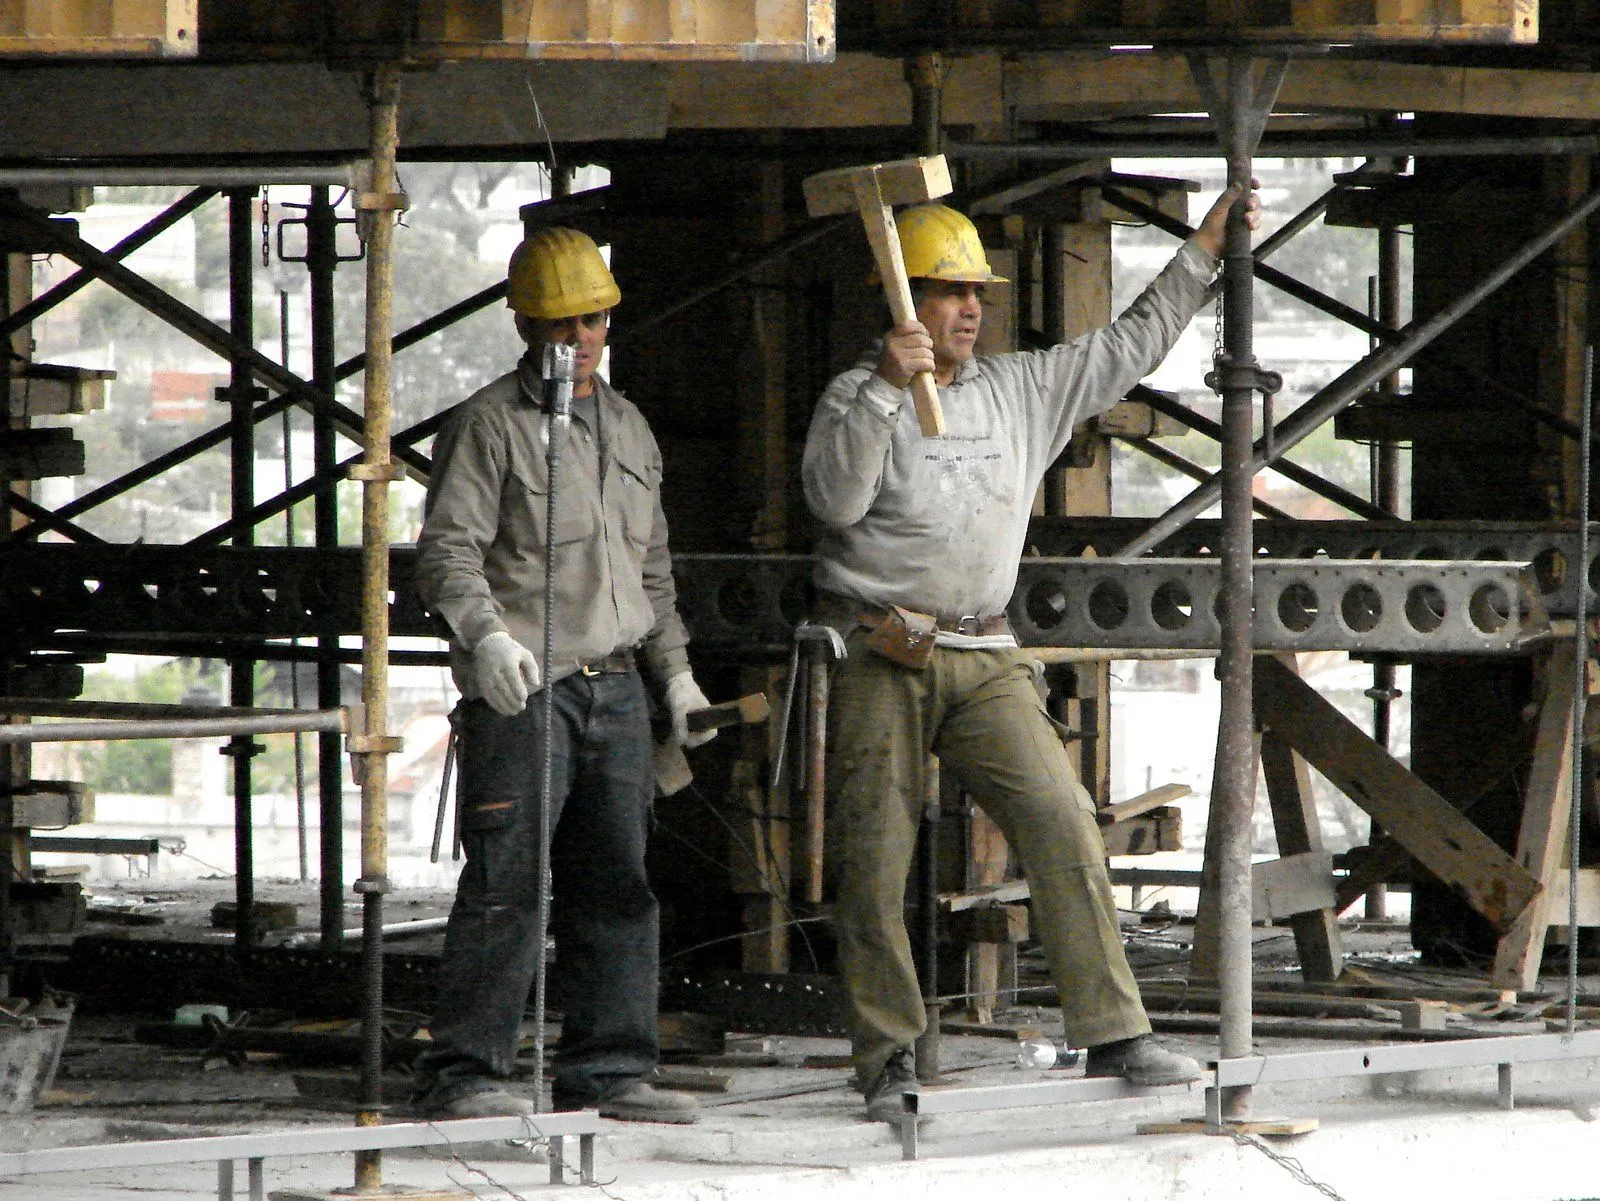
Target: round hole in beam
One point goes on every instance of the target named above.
(1108, 605)
(1361, 607)
(1426, 608)
(1298, 608)
(1046, 604)
(1489, 608)
(1172, 606)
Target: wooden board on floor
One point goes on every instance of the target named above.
(1266, 1127)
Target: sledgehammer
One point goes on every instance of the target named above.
(873, 189)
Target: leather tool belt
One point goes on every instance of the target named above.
(907, 637)
(612, 664)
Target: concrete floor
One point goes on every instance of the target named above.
(1413, 1135)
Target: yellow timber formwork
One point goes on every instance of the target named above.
(90, 28)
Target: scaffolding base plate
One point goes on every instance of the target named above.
(1267, 1127)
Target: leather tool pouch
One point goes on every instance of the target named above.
(905, 637)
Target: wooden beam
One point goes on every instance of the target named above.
(1299, 832)
(1294, 886)
(856, 90)
(1142, 804)
(1075, 85)
(1427, 825)
(1546, 807)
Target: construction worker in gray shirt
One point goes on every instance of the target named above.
(481, 562)
(917, 559)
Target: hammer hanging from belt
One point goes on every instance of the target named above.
(558, 359)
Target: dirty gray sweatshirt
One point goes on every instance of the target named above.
(938, 524)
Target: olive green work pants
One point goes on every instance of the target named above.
(979, 712)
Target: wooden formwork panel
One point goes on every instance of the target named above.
(92, 28)
(647, 30)
(1216, 21)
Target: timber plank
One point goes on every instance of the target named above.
(1299, 831)
(1416, 816)
(1546, 807)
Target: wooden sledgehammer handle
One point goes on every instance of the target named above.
(885, 241)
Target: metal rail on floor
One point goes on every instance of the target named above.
(553, 1128)
(1253, 1070)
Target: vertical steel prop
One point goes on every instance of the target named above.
(926, 75)
(377, 209)
(1386, 494)
(1239, 110)
(322, 263)
(241, 461)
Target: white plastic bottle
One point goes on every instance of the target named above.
(1046, 1053)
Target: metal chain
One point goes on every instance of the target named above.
(266, 231)
(1216, 342)
(1288, 1163)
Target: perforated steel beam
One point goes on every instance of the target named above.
(749, 604)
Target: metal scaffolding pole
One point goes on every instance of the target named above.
(1386, 493)
(322, 262)
(1355, 381)
(241, 458)
(377, 472)
(1239, 110)
(185, 726)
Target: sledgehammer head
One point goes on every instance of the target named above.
(904, 181)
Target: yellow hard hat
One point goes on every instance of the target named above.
(557, 272)
(939, 243)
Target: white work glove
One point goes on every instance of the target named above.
(507, 672)
(683, 698)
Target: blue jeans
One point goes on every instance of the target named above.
(604, 918)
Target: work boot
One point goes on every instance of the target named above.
(898, 1077)
(1141, 1060)
(639, 1101)
(486, 1103)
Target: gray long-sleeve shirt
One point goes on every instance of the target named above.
(480, 556)
(937, 525)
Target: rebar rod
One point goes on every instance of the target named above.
(377, 474)
(1357, 379)
(1580, 691)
